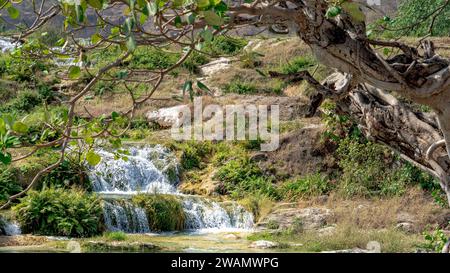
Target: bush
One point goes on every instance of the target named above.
(8, 183)
(116, 236)
(240, 177)
(24, 102)
(310, 185)
(224, 45)
(60, 212)
(369, 169)
(21, 69)
(194, 61)
(239, 86)
(164, 212)
(67, 175)
(194, 152)
(412, 12)
(151, 58)
(297, 64)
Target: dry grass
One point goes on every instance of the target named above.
(385, 213)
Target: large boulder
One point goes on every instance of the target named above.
(262, 244)
(166, 117)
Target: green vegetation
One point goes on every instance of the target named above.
(348, 237)
(297, 64)
(164, 212)
(239, 86)
(60, 212)
(8, 183)
(225, 45)
(308, 186)
(435, 241)
(115, 236)
(415, 18)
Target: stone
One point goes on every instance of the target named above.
(309, 218)
(166, 117)
(231, 236)
(120, 246)
(262, 244)
(325, 231)
(406, 227)
(215, 66)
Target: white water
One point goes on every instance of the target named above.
(11, 229)
(6, 44)
(154, 170)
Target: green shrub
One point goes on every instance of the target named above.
(24, 102)
(240, 177)
(369, 169)
(164, 212)
(239, 86)
(60, 212)
(67, 175)
(8, 183)
(297, 64)
(151, 58)
(194, 152)
(412, 12)
(310, 185)
(435, 241)
(224, 45)
(194, 61)
(116, 236)
(21, 69)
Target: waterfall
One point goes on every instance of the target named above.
(123, 216)
(154, 170)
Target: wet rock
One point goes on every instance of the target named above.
(262, 244)
(167, 117)
(307, 218)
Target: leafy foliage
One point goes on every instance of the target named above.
(8, 183)
(416, 16)
(164, 212)
(60, 212)
(310, 185)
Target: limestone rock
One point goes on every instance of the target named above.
(215, 66)
(308, 218)
(166, 117)
(262, 244)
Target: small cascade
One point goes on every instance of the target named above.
(123, 216)
(154, 170)
(147, 170)
(205, 214)
(6, 44)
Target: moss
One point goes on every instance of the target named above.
(164, 212)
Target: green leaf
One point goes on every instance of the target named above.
(178, 22)
(202, 3)
(131, 44)
(207, 35)
(20, 127)
(212, 18)
(92, 158)
(74, 72)
(96, 4)
(188, 88)
(80, 13)
(2, 127)
(114, 115)
(96, 38)
(5, 158)
(333, 11)
(214, 2)
(13, 12)
(203, 87)
(60, 42)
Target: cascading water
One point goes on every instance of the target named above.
(154, 170)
